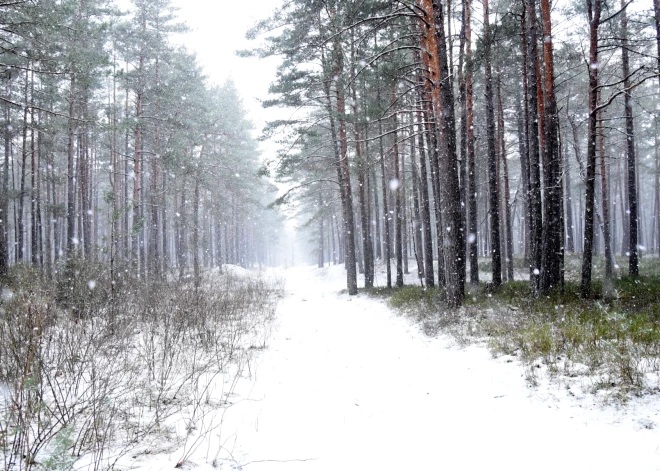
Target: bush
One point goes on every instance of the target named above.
(87, 366)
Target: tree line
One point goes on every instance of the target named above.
(501, 129)
(117, 149)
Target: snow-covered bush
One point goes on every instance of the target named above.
(90, 375)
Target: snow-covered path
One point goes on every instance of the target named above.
(346, 384)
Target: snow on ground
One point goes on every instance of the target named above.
(346, 384)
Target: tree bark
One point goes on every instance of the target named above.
(22, 250)
(570, 229)
(536, 218)
(321, 258)
(506, 201)
(4, 193)
(395, 186)
(341, 154)
(552, 233)
(84, 177)
(469, 182)
(450, 201)
(387, 248)
(71, 185)
(363, 195)
(493, 183)
(181, 225)
(524, 176)
(633, 259)
(137, 158)
(34, 228)
(594, 10)
(462, 177)
(605, 198)
(429, 277)
(196, 229)
(416, 217)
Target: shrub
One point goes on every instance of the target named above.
(86, 368)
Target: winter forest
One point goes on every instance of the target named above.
(451, 204)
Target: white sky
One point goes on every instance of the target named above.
(218, 29)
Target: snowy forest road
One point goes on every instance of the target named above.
(346, 384)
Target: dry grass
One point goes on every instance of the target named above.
(91, 369)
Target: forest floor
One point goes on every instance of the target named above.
(346, 383)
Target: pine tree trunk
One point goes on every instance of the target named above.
(524, 175)
(463, 127)
(341, 153)
(387, 248)
(22, 249)
(38, 217)
(359, 253)
(56, 223)
(416, 218)
(114, 157)
(4, 193)
(163, 231)
(137, 157)
(570, 229)
(430, 98)
(49, 234)
(395, 186)
(196, 230)
(378, 239)
(633, 260)
(594, 8)
(154, 250)
(523, 130)
(34, 227)
(332, 240)
(84, 175)
(126, 236)
(506, 201)
(71, 186)
(404, 213)
(623, 205)
(182, 249)
(493, 183)
(363, 197)
(553, 233)
(321, 258)
(605, 198)
(656, 178)
(473, 227)
(429, 277)
(536, 219)
(507, 218)
(454, 240)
